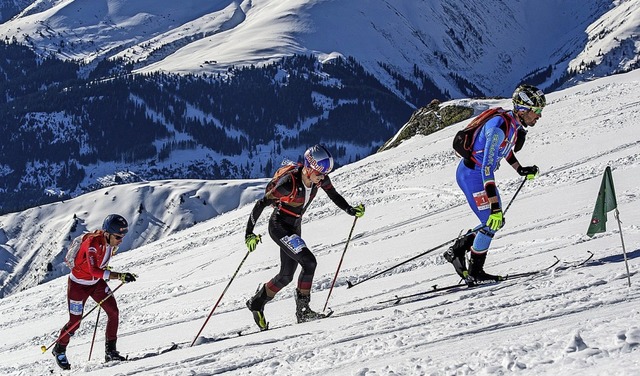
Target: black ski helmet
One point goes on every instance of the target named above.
(115, 224)
(528, 96)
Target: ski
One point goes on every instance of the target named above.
(465, 286)
(559, 268)
(436, 288)
(577, 264)
(534, 272)
(173, 346)
(251, 331)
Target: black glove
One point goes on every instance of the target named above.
(127, 277)
(356, 211)
(529, 171)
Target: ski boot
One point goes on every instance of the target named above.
(457, 252)
(110, 352)
(256, 306)
(303, 312)
(60, 353)
(476, 269)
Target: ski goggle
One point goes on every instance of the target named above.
(536, 110)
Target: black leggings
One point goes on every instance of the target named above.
(293, 251)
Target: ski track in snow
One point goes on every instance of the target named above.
(563, 321)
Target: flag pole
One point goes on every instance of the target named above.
(624, 250)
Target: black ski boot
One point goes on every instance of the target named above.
(456, 254)
(60, 353)
(303, 312)
(110, 352)
(256, 306)
(476, 269)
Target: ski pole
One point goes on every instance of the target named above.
(340, 263)
(93, 339)
(220, 298)
(350, 285)
(45, 348)
(514, 195)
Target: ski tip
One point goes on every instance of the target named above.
(174, 346)
(349, 284)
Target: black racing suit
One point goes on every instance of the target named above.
(288, 199)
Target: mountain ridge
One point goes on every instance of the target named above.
(405, 52)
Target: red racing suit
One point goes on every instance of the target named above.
(87, 279)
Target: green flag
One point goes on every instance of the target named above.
(605, 203)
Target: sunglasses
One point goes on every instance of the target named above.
(536, 110)
(118, 237)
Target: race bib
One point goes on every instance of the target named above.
(75, 307)
(294, 243)
(481, 199)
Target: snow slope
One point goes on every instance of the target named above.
(566, 321)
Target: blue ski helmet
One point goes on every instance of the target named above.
(115, 224)
(318, 159)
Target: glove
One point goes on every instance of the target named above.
(252, 240)
(530, 171)
(127, 277)
(496, 220)
(357, 210)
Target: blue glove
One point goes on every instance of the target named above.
(252, 240)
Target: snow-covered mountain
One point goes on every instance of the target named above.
(567, 320)
(33, 241)
(401, 54)
(492, 44)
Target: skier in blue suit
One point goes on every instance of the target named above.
(498, 138)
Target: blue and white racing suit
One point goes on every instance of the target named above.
(491, 145)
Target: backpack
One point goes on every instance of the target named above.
(464, 139)
(74, 247)
(287, 167)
